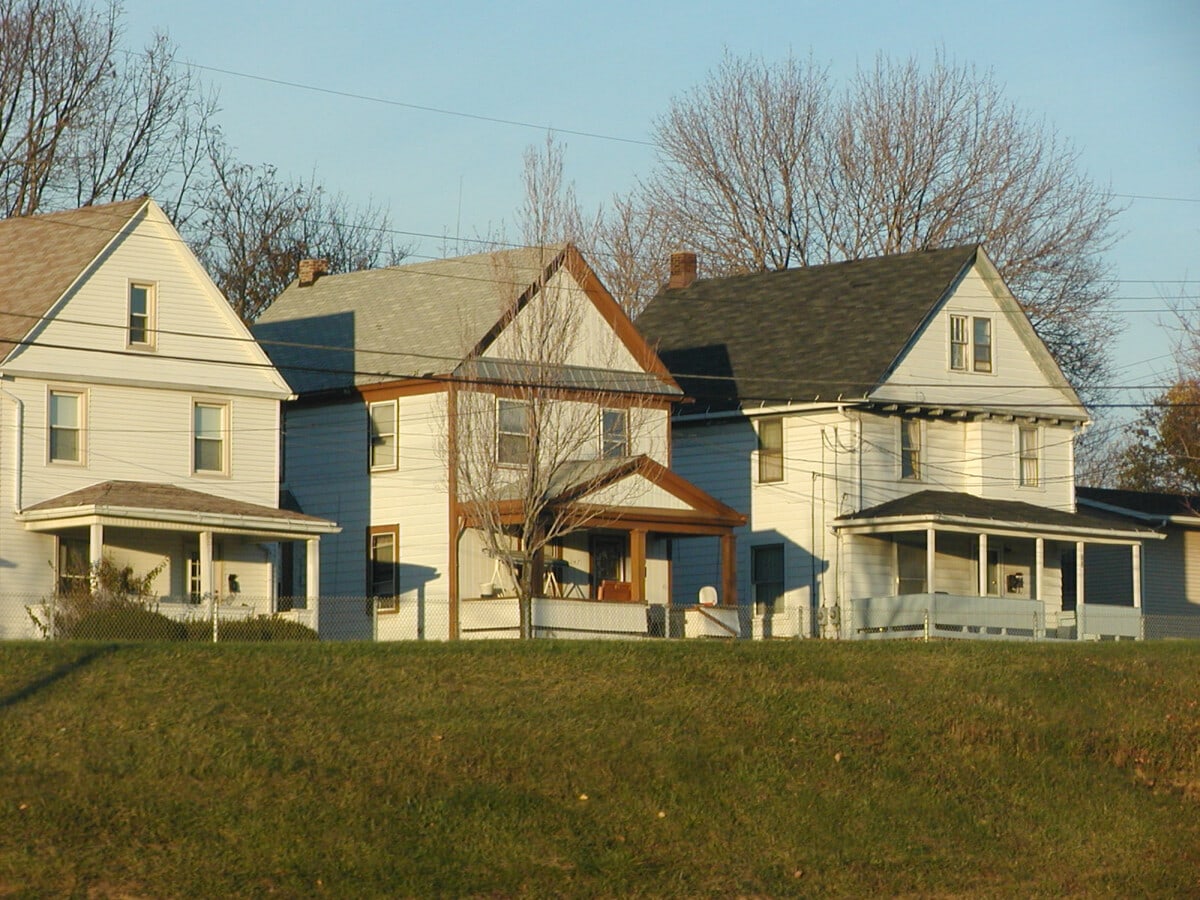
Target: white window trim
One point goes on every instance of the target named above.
(151, 341)
(922, 452)
(81, 396)
(226, 437)
(394, 462)
(757, 462)
(970, 319)
(1039, 458)
(517, 464)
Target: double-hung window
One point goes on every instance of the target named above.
(383, 548)
(614, 433)
(382, 437)
(210, 438)
(512, 432)
(766, 575)
(1027, 452)
(141, 315)
(910, 449)
(770, 450)
(970, 344)
(65, 421)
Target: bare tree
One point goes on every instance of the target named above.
(252, 226)
(764, 167)
(533, 430)
(82, 121)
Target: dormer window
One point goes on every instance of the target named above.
(141, 315)
(970, 344)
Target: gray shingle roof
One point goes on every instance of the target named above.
(955, 505)
(1145, 502)
(382, 324)
(42, 256)
(818, 332)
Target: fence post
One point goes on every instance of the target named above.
(54, 616)
(1038, 633)
(212, 608)
(927, 622)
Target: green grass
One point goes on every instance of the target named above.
(709, 769)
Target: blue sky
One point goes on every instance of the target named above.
(1121, 80)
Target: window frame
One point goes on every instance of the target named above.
(390, 601)
(909, 457)
(226, 438)
(607, 444)
(80, 428)
(761, 606)
(960, 337)
(770, 469)
(374, 437)
(988, 367)
(149, 323)
(1031, 455)
(525, 435)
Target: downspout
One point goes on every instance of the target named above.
(18, 447)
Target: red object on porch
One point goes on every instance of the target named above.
(619, 591)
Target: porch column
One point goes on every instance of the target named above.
(1039, 560)
(1079, 592)
(728, 570)
(312, 585)
(95, 544)
(983, 565)
(637, 565)
(1135, 552)
(206, 565)
(930, 556)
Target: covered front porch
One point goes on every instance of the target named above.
(612, 576)
(941, 564)
(210, 556)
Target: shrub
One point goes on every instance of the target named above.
(262, 628)
(125, 622)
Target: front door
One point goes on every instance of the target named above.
(608, 560)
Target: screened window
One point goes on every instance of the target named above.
(960, 343)
(1027, 439)
(66, 426)
(910, 449)
(209, 445)
(384, 567)
(766, 575)
(383, 435)
(614, 433)
(512, 432)
(770, 450)
(141, 315)
(982, 344)
(911, 562)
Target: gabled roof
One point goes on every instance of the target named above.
(1146, 505)
(42, 256)
(427, 318)
(813, 333)
(968, 510)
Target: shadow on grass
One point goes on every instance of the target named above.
(57, 675)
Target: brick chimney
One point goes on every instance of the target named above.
(310, 270)
(683, 270)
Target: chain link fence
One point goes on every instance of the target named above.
(414, 618)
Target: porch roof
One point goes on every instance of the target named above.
(583, 482)
(956, 511)
(168, 507)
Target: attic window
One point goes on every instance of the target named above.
(970, 343)
(141, 315)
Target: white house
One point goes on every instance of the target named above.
(138, 418)
(900, 440)
(402, 370)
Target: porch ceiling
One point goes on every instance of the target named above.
(167, 507)
(954, 511)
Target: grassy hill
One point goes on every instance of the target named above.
(600, 769)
